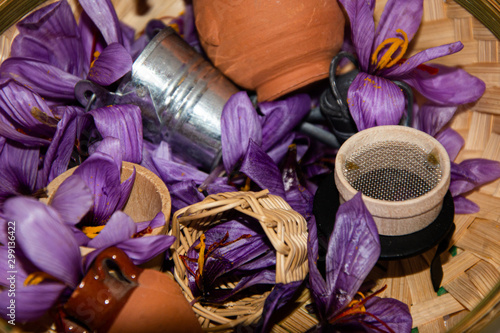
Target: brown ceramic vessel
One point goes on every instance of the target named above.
(273, 47)
(117, 296)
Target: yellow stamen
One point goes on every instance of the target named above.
(354, 302)
(396, 44)
(35, 278)
(201, 256)
(92, 232)
(175, 26)
(246, 187)
(96, 55)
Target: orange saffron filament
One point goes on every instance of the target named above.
(201, 256)
(389, 59)
(357, 306)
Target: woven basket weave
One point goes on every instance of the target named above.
(285, 228)
(472, 276)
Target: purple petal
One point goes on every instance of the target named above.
(228, 258)
(262, 277)
(239, 125)
(397, 14)
(348, 263)
(360, 14)
(451, 141)
(125, 190)
(472, 173)
(260, 168)
(123, 122)
(281, 117)
(119, 228)
(279, 297)
(189, 32)
(112, 64)
(72, 200)
(156, 222)
(19, 171)
(432, 118)
(138, 46)
(317, 284)
(147, 156)
(8, 131)
(104, 17)
(23, 266)
(392, 312)
(59, 153)
(46, 80)
(32, 302)
(465, 206)
(172, 172)
(278, 151)
(45, 240)
(103, 179)
(414, 63)
(375, 101)
(80, 237)
(51, 35)
(91, 41)
(128, 36)
(111, 147)
(141, 250)
(262, 262)
(184, 194)
(26, 110)
(450, 86)
(297, 196)
(238, 253)
(221, 184)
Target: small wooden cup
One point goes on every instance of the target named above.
(394, 218)
(148, 197)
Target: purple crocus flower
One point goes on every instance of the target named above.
(47, 265)
(52, 53)
(353, 250)
(104, 225)
(234, 248)
(184, 181)
(373, 98)
(254, 144)
(37, 143)
(466, 175)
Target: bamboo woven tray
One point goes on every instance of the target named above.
(472, 276)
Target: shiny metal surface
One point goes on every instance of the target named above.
(181, 96)
(187, 95)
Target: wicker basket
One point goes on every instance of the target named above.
(286, 230)
(472, 276)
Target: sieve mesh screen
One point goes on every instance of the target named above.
(392, 170)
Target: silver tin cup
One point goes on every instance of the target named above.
(181, 96)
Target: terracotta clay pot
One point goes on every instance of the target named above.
(273, 47)
(148, 197)
(117, 296)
